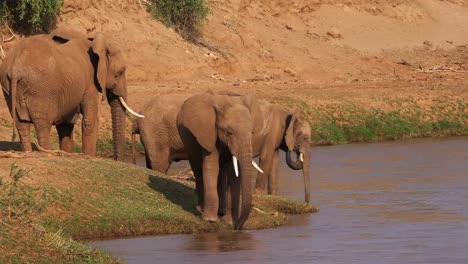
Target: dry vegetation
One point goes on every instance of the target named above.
(359, 70)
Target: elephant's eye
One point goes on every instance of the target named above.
(229, 132)
(120, 73)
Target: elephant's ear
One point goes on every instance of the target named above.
(289, 135)
(255, 112)
(99, 48)
(198, 114)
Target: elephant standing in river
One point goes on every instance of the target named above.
(285, 131)
(158, 132)
(49, 79)
(214, 128)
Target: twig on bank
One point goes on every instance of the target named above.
(404, 62)
(258, 210)
(12, 155)
(48, 151)
(440, 69)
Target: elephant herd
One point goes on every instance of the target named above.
(50, 79)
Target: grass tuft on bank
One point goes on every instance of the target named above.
(391, 118)
(48, 204)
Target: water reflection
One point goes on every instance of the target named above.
(222, 242)
(394, 202)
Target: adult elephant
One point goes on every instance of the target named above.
(49, 79)
(158, 132)
(213, 127)
(282, 130)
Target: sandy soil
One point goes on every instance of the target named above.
(318, 51)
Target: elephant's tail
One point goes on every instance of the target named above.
(13, 83)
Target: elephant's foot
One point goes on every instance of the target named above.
(210, 218)
(259, 191)
(227, 219)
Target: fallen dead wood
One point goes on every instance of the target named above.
(440, 69)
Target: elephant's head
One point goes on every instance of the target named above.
(225, 119)
(110, 79)
(297, 139)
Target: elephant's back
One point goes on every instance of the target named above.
(38, 58)
(161, 117)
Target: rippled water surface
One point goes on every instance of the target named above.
(404, 202)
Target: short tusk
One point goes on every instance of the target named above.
(301, 157)
(122, 101)
(256, 166)
(234, 162)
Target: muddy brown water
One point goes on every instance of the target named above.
(397, 202)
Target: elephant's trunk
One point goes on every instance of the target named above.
(247, 172)
(295, 165)
(118, 127)
(305, 173)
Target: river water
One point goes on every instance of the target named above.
(395, 202)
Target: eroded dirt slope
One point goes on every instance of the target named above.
(319, 51)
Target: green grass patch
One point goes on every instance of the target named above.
(46, 211)
(396, 118)
(185, 16)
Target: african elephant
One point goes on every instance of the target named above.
(215, 129)
(49, 79)
(285, 131)
(158, 132)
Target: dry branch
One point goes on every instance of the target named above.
(440, 69)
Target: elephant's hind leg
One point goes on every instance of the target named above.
(65, 132)
(24, 131)
(162, 161)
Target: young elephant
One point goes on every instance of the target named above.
(285, 131)
(159, 134)
(49, 79)
(213, 127)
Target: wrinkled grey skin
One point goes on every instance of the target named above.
(158, 132)
(49, 79)
(214, 127)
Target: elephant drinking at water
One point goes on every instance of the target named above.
(282, 130)
(213, 126)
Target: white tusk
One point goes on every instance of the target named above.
(301, 157)
(234, 162)
(256, 166)
(122, 101)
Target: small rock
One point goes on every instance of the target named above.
(288, 27)
(211, 56)
(290, 72)
(334, 33)
(428, 43)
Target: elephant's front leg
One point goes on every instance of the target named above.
(90, 125)
(224, 193)
(266, 158)
(273, 174)
(65, 132)
(210, 185)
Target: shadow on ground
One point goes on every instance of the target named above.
(175, 192)
(13, 146)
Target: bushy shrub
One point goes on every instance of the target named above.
(30, 16)
(185, 16)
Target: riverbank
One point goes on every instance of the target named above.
(48, 204)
